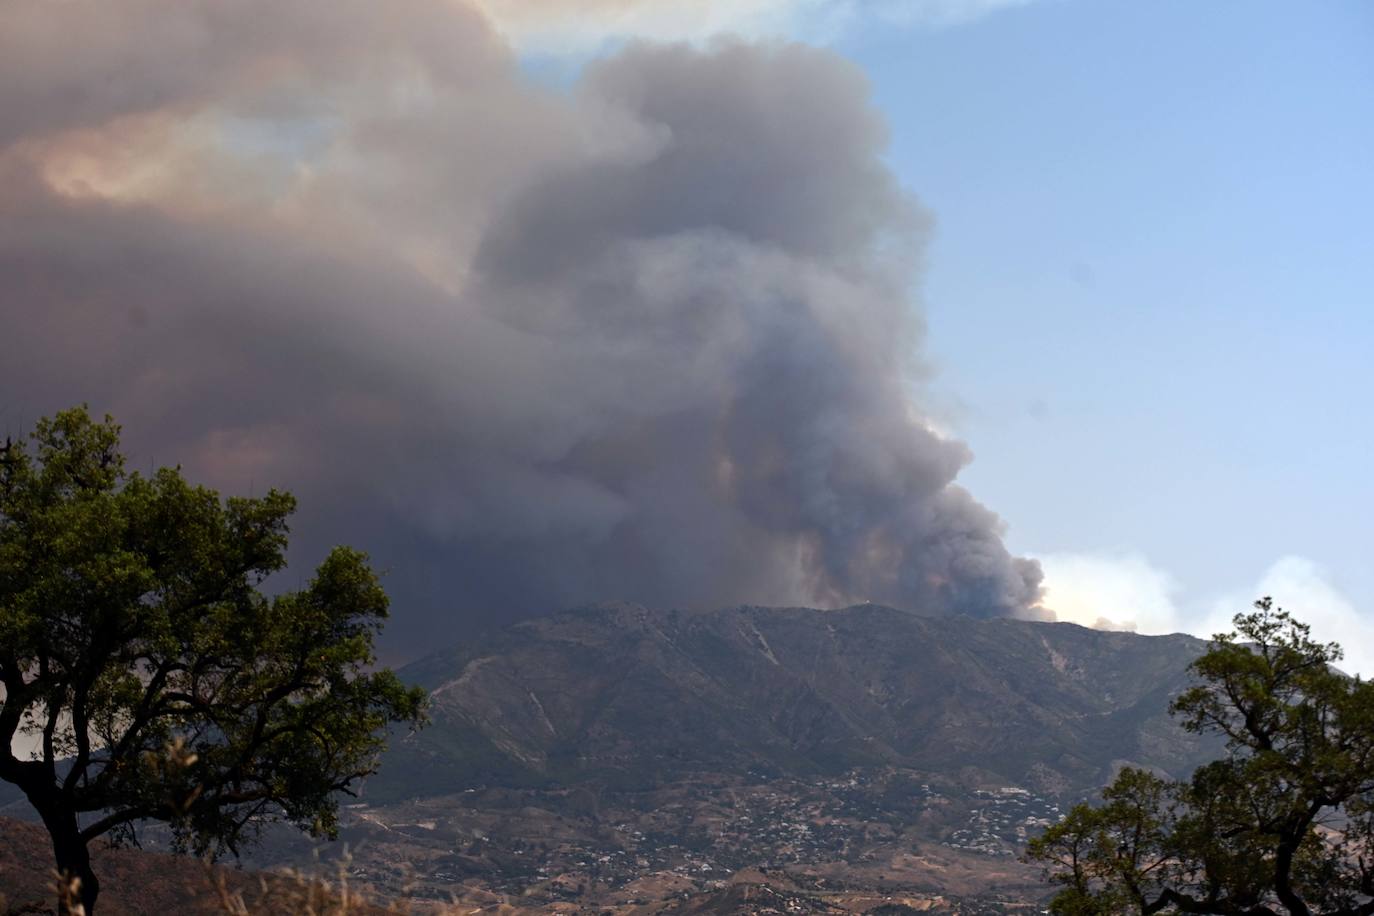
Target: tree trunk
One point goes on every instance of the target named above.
(73, 862)
(1283, 881)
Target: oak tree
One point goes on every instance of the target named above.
(1283, 823)
(147, 677)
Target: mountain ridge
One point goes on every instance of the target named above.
(631, 696)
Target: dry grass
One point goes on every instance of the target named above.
(135, 882)
(306, 894)
(66, 890)
(271, 894)
(295, 891)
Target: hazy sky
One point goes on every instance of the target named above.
(539, 314)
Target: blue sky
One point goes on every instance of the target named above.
(1150, 290)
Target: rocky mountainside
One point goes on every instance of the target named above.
(631, 698)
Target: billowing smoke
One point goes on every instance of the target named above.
(650, 338)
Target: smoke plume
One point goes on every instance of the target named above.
(649, 338)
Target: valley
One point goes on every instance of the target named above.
(866, 834)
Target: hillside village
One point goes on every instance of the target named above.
(867, 830)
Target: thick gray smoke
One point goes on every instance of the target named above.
(651, 338)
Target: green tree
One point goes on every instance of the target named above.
(1284, 823)
(154, 678)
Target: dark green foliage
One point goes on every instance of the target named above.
(157, 682)
(1283, 823)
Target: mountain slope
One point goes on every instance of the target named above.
(633, 697)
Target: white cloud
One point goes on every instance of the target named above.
(577, 26)
(1125, 591)
(1305, 590)
(1109, 591)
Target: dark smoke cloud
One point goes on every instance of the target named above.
(650, 339)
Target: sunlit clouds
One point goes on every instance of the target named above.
(579, 26)
(1124, 591)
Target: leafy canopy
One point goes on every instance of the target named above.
(153, 677)
(1283, 823)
